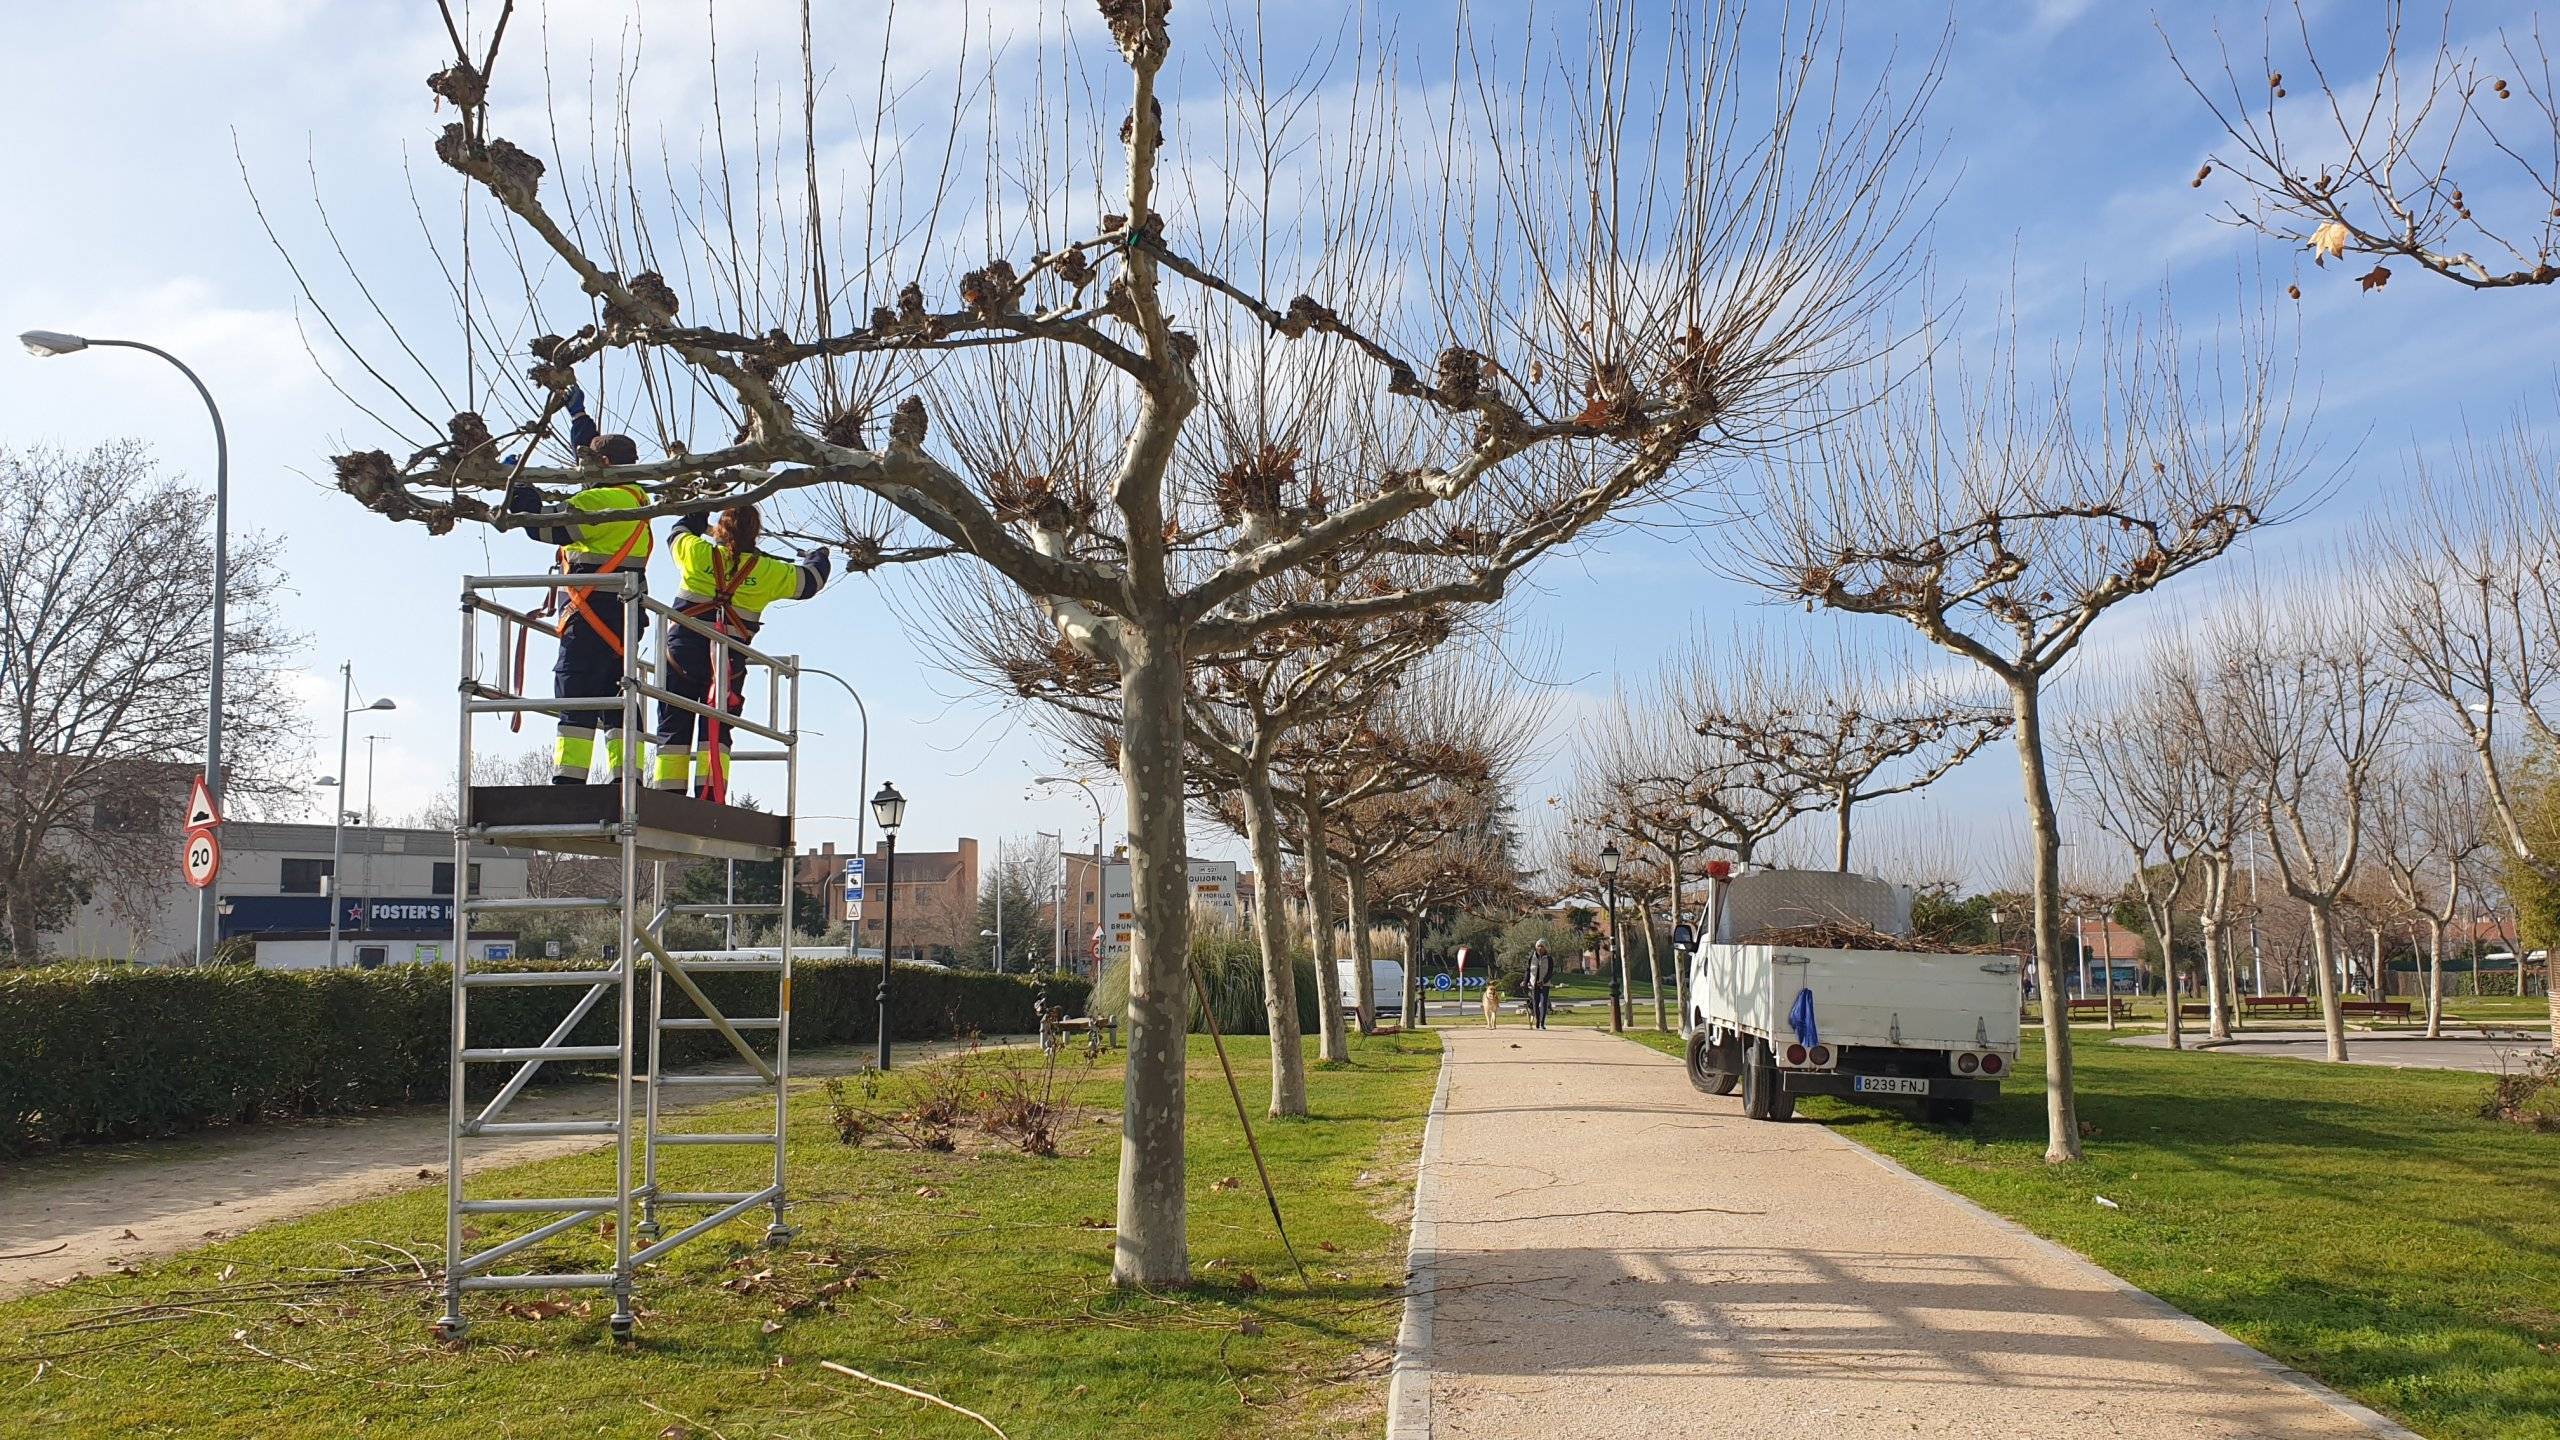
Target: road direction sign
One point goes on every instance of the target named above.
(201, 811)
(201, 859)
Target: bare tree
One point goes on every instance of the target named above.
(1851, 727)
(2132, 763)
(105, 657)
(1617, 267)
(2001, 520)
(2470, 610)
(2430, 810)
(2382, 160)
(2225, 812)
(2316, 703)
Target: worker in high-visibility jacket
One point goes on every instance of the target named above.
(589, 664)
(725, 582)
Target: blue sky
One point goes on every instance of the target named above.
(2067, 142)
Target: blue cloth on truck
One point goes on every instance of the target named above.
(1800, 1016)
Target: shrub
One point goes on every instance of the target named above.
(1230, 960)
(2529, 1096)
(92, 1054)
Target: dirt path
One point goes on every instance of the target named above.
(91, 1209)
(1603, 1252)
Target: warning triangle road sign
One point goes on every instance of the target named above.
(200, 810)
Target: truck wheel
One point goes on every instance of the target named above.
(1761, 1097)
(1710, 1065)
(1947, 1112)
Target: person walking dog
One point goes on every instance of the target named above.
(1541, 982)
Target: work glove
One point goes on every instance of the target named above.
(819, 560)
(574, 400)
(523, 498)
(694, 523)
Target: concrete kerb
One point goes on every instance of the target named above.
(2369, 1418)
(1409, 1383)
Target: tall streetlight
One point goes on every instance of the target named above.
(338, 831)
(890, 808)
(369, 742)
(861, 782)
(1090, 794)
(46, 343)
(1609, 860)
(1057, 896)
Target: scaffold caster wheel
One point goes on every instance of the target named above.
(778, 1235)
(452, 1328)
(621, 1326)
(646, 1231)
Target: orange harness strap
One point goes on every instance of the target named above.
(721, 611)
(577, 594)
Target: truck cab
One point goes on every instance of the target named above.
(1811, 983)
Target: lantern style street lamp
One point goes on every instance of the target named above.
(890, 809)
(1609, 860)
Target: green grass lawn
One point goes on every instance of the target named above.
(981, 1276)
(2364, 1225)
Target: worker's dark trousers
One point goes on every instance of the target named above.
(588, 667)
(681, 764)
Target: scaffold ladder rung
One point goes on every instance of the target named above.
(538, 977)
(688, 1022)
(514, 1054)
(749, 1078)
(547, 1127)
(706, 1139)
(590, 1281)
(537, 1205)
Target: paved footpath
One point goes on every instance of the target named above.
(1601, 1251)
(2493, 1054)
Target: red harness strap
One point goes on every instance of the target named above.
(721, 611)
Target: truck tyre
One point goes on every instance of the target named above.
(1947, 1112)
(1711, 1067)
(1761, 1097)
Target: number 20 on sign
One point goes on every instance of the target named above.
(202, 856)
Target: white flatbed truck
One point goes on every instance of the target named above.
(1781, 1020)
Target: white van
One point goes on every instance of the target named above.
(1387, 978)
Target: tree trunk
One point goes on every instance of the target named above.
(2061, 1106)
(1336, 1042)
(1416, 1017)
(2324, 966)
(1679, 961)
(2435, 978)
(1653, 966)
(2217, 1018)
(1271, 929)
(1364, 983)
(1153, 1248)
(1840, 840)
(2164, 921)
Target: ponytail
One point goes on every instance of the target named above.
(740, 528)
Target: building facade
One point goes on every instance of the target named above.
(396, 904)
(937, 897)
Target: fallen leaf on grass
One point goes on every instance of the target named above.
(1249, 1326)
(927, 1192)
(1224, 1182)
(128, 1235)
(226, 1271)
(771, 1326)
(1327, 1246)
(2103, 1200)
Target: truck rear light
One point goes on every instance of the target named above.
(1967, 1063)
(1820, 1057)
(1795, 1054)
(1992, 1064)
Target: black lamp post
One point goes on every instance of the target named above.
(1609, 858)
(889, 808)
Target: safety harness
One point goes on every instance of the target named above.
(721, 612)
(571, 600)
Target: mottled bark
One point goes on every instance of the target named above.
(2061, 1111)
(1364, 981)
(1152, 1249)
(1313, 842)
(1271, 931)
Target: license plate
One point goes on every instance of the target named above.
(1889, 1085)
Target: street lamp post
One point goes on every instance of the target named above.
(46, 343)
(1089, 794)
(338, 826)
(861, 781)
(1609, 858)
(890, 808)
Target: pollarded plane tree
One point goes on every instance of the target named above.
(2439, 153)
(1242, 706)
(1591, 257)
(2001, 517)
(1852, 727)
(2183, 698)
(1458, 721)
(2431, 813)
(2470, 613)
(1465, 865)
(2129, 759)
(2317, 706)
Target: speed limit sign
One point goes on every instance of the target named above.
(202, 857)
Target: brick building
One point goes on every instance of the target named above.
(937, 896)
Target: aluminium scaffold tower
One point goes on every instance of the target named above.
(641, 831)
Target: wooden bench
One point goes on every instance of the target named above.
(2375, 1009)
(2113, 1009)
(2276, 1005)
(1100, 1032)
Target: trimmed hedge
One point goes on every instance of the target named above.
(1230, 960)
(110, 1053)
